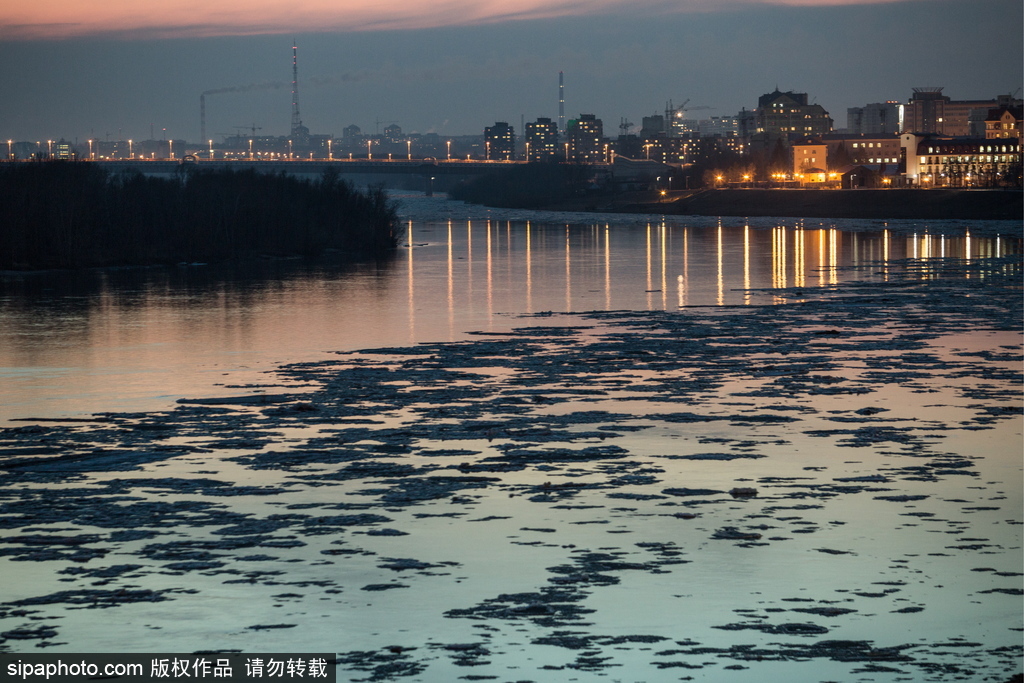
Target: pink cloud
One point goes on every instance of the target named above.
(180, 18)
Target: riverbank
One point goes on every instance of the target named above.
(70, 215)
(872, 204)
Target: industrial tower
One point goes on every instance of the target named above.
(561, 104)
(300, 134)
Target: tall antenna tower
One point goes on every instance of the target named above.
(296, 119)
(561, 103)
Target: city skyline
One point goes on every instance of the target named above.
(471, 69)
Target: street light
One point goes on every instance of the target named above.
(330, 149)
(408, 148)
(368, 155)
(449, 150)
(290, 155)
(170, 146)
(131, 154)
(49, 148)
(91, 155)
(211, 149)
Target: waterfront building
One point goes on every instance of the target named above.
(942, 161)
(809, 157)
(865, 150)
(585, 139)
(499, 142)
(542, 140)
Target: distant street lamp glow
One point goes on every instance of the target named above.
(131, 154)
(408, 148)
(449, 150)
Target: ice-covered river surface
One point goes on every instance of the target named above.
(533, 447)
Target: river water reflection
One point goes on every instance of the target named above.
(75, 344)
(686, 477)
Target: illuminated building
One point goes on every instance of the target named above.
(931, 112)
(542, 140)
(1003, 122)
(499, 142)
(941, 161)
(783, 114)
(585, 139)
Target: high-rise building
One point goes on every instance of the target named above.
(499, 142)
(931, 112)
(585, 138)
(880, 118)
(542, 140)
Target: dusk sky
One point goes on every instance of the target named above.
(118, 68)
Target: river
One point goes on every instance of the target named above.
(73, 344)
(531, 446)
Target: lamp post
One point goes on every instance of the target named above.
(567, 151)
(131, 154)
(10, 150)
(368, 155)
(449, 150)
(408, 149)
(49, 148)
(211, 148)
(91, 155)
(330, 149)
(170, 146)
(290, 154)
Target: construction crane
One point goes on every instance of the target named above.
(674, 115)
(252, 128)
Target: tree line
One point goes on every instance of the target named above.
(62, 214)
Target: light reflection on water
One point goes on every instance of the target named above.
(74, 344)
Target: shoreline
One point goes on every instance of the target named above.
(894, 204)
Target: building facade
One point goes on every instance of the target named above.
(942, 161)
(499, 142)
(784, 114)
(880, 118)
(542, 140)
(929, 112)
(586, 139)
(1004, 122)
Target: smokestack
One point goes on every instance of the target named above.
(202, 119)
(296, 119)
(561, 104)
